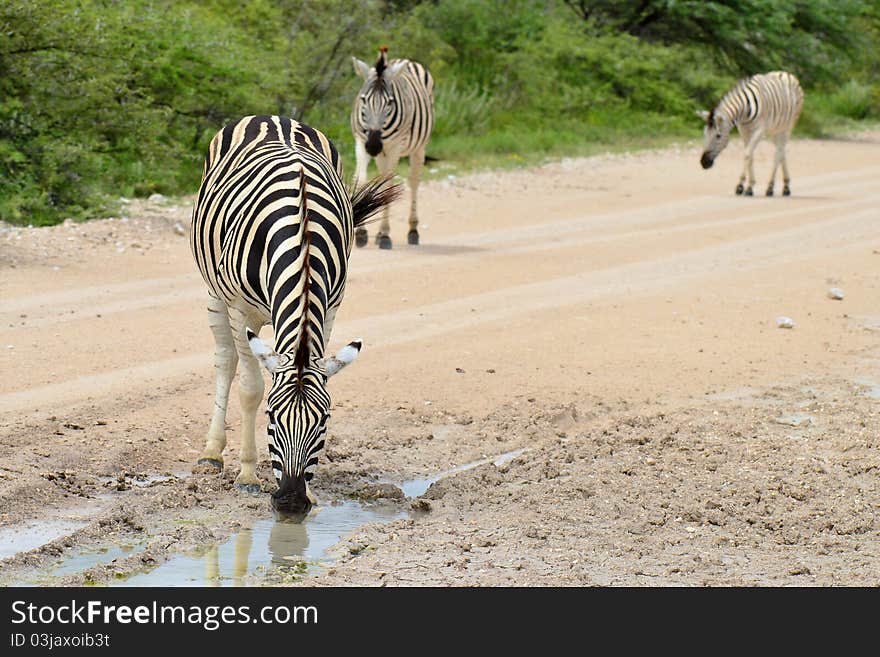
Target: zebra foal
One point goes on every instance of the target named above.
(272, 228)
(392, 117)
(760, 106)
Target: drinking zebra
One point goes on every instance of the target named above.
(761, 106)
(392, 117)
(272, 229)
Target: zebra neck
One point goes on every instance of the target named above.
(298, 324)
(738, 105)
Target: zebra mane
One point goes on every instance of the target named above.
(301, 358)
(381, 65)
(382, 62)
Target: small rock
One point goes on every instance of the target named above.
(179, 229)
(795, 421)
(156, 198)
(784, 322)
(835, 293)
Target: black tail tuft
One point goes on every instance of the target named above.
(428, 158)
(368, 199)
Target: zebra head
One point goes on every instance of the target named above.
(375, 108)
(298, 407)
(716, 134)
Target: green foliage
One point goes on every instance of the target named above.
(101, 98)
(811, 38)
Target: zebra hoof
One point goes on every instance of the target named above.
(748, 192)
(360, 237)
(251, 489)
(213, 463)
(786, 191)
(384, 241)
(412, 237)
(769, 191)
(739, 189)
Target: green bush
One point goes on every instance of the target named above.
(101, 99)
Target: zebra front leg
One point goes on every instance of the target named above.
(360, 177)
(786, 190)
(416, 162)
(387, 164)
(225, 362)
(750, 161)
(250, 394)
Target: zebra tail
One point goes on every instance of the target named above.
(369, 199)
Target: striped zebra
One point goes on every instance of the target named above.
(272, 228)
(761, 106)
(392, 117)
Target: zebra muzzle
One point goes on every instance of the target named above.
(374, 143)
(707, 161)
(292, 497)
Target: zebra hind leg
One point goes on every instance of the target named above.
(416, 162)
(786, 190)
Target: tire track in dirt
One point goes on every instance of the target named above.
(429, 321)
(70, 305)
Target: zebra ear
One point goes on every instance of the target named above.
(391, 73)
(266, 356)
(703, 114)
(343, 357)
(361, 68)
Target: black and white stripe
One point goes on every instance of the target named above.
(763, 106)
(392, 117)
(272, 230)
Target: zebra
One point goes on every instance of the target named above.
(392, 117)
(272, 229)
(760, 106)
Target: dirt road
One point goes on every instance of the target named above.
(609, 323)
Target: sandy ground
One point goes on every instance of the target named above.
(613, 317)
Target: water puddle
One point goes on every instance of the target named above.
(417, 487)
(78, 562)
(871, 389)
(34, 534)
(269, 546)
(268, 550)
(81, 561)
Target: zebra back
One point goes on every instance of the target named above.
(772, 101)
(272, 227)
